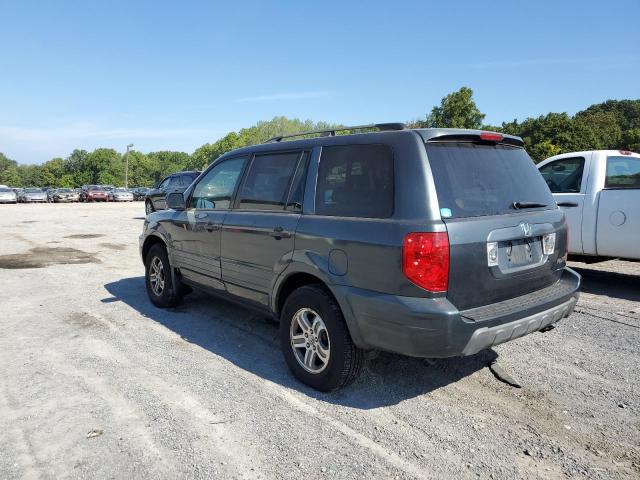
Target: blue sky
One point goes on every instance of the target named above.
(174, 75)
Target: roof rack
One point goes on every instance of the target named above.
(332, 131)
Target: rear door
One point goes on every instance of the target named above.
(567, 181)
(258, 234)
(497, 210)
(618, 227)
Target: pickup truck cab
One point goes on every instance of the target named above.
(599, 192)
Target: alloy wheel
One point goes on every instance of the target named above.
(156, 276)
(310, 340)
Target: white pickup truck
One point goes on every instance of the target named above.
(599, 192)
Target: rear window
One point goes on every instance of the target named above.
(355, 181)
(474, 180)
(623, 172)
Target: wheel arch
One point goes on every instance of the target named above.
(149, 242)
(302, 277)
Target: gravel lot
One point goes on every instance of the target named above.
(202, 390)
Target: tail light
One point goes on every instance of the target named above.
(425, 260)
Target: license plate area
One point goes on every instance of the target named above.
(520, 254)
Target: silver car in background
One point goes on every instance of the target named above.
(32, 195)
(66, 195)
(120, 195)
(7, 195)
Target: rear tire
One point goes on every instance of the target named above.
(325, 357)
(159, 279)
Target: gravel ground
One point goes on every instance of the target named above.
(97, 383)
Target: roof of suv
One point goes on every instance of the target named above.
(427, 134)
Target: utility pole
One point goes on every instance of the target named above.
(126, 168)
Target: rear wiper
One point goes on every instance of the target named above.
(519, 205)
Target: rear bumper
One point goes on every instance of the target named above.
(433, 327)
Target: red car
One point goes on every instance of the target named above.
(93, 193)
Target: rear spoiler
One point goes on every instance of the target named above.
(464, 135)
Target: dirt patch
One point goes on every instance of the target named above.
(85, 320)
(85, 235)
(29, 221)
(40, 257)
(113, 246)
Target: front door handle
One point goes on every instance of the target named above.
(278, 232)
(567, 204)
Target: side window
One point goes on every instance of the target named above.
(267, 182)
(188, 179)
(565, 175)
(215, 189)
(355, 181)
(174, 183)
(623, 172)
(164, 184)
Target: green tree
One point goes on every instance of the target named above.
(51, 172)
(104, 166)
(456, 110)
(166, 162)
(9, 174)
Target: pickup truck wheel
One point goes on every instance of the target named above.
(315, 340)
(158, 279)
(148, 207)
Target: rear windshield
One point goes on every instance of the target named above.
(473, 180)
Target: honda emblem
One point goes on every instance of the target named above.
(526, 229)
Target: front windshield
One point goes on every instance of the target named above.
(33, 190)
(64, 190)
(123, 190)
(95, 189)
(2, 189)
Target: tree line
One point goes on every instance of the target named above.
(614, 124)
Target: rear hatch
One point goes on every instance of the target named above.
(498, 212)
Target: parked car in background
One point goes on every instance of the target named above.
(93, 193)
(7, 195)
(599, 192)
(3, 186)
(427, 242)
(33, 195)
(50, 193)
(140, 193)
(65, 195)
(18, 191)
(155, 198)
(120, 195)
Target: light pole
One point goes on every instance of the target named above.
(126, 168)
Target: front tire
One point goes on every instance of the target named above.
(148, 207)
(159, 279)
(315, 340)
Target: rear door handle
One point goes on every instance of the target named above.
(278, 232)
(211, 227)
(567, 204)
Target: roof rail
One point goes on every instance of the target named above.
(332, 131)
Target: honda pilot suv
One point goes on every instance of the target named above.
(424, 242)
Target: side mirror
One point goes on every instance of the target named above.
(175, 201)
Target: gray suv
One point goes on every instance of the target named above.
(425, 242)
